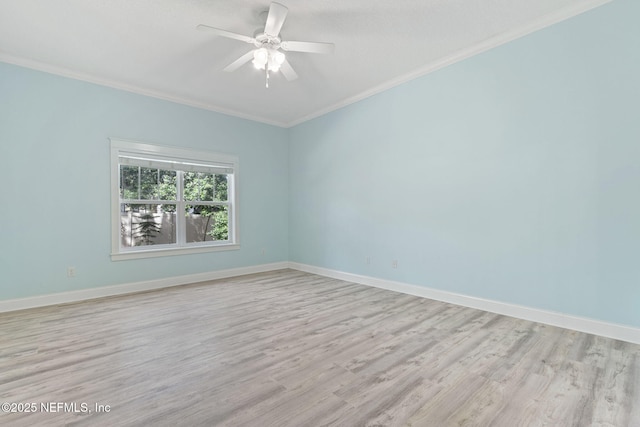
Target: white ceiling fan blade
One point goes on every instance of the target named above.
(225, 33)
(287, 71)
(310, 47)
(275, 19)
(239, 62)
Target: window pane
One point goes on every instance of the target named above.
(148, 183)
(220, 187)
(198, 186)
(207, 223)
(167, 185)
(129, 182)
(206, 187)
(144, 225)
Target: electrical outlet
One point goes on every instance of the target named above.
(71, 272)
(367, 260)
(394, 263)
(263, 252)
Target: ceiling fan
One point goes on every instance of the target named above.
(268, 53)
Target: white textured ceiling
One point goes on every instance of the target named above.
(153, 47)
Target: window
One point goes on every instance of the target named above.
(168, 201)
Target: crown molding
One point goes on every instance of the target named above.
(65, 72)
(545, 21)
(498, 40)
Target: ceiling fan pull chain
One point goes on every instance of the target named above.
(266, 82)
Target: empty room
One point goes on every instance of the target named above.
(293, 213)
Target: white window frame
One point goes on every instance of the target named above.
(120, 148)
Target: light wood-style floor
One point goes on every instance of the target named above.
(288, 348)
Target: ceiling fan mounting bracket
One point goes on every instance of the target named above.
(267, 41)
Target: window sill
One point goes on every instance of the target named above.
(155, 253)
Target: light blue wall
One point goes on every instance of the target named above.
(55, 213)
(512, 176)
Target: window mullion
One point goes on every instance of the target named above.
(181, 238)
(231, 205)
(139, 179)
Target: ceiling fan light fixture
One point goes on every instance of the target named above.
(260, 58)
(276, 59)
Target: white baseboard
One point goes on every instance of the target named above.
(127, 288)
(581, 324)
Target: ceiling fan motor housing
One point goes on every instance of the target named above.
(267, 41)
